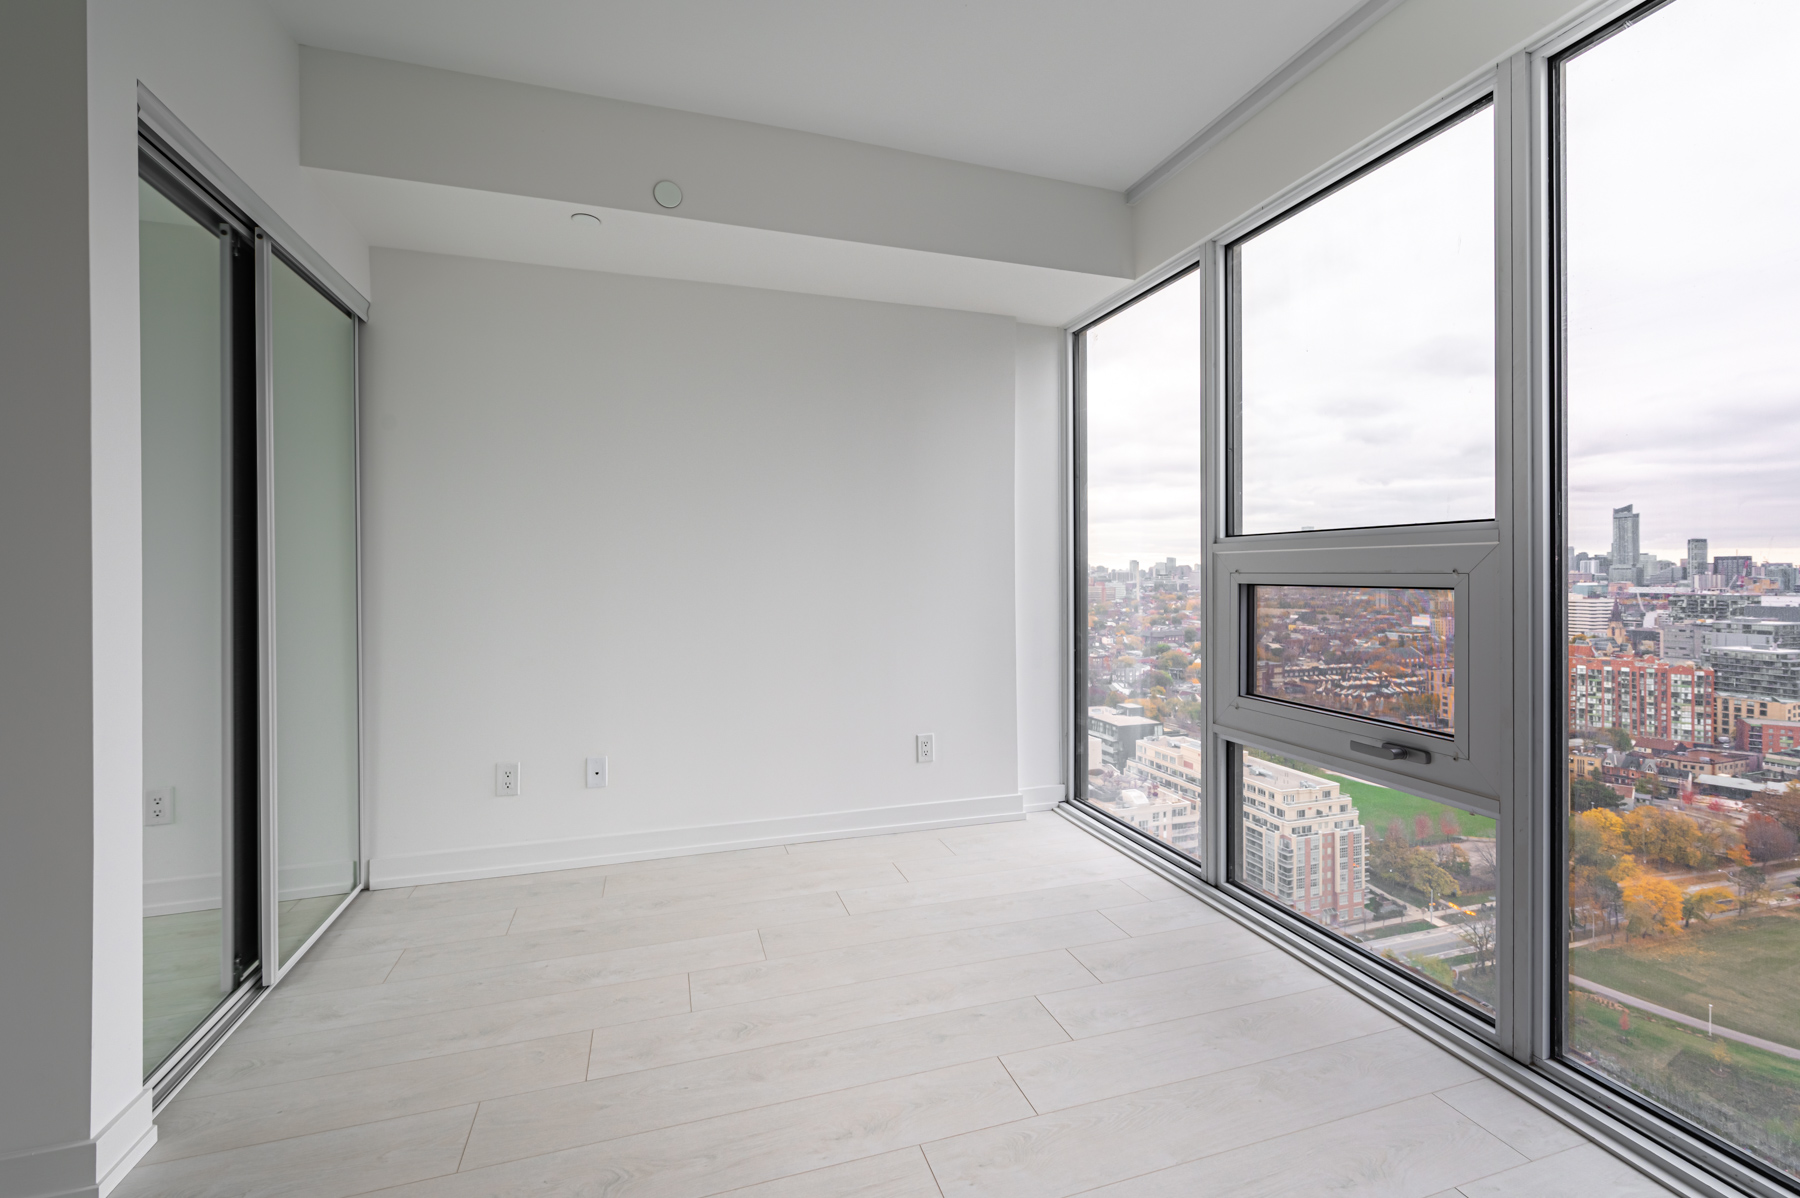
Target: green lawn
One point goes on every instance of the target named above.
(1380, 805)
(1743, 1093)
(1748, 969)
(1397, 929)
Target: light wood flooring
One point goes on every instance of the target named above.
(1006, 1010)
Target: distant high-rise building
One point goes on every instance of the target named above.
(1625, 546)
(1591, 616)
(1696, 556)
(1729, 568)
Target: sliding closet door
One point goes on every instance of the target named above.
(311, 582)
(186, 962)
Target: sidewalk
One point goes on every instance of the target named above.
(1792, 1054)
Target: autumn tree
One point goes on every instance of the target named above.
(1652, 904)
(1598, 863)
(1702, 904)
(1768, 839)
(1421, 827)
(1752, 886)
(1417, 705)
(1668, 838)
(1406, 865)
(1782, 806)
(1448, 826)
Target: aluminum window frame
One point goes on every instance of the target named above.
(1472, 557)
(1718, 1156)
(1520, 1049)
(1076, 580)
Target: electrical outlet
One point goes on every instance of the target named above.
(506, 779)
(596, 772)
(159, 806)
(925, 748)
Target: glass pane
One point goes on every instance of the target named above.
(1384, 653)
(1365, 372)
(314, 475)
(1144, 535)
(186, 971)
(1683, 530)
(1409, 879)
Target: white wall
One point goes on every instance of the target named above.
(46, 600)
(73, 1109)
(1038, 556)
(744, 543)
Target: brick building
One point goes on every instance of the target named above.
(1643, 695)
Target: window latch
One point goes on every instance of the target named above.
(1391, 751)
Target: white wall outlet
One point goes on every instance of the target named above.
(159, 806)
(596, 773)
(506, 779)
(925, 748)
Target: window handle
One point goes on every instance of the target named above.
(1391, 751)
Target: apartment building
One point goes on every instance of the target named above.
(1730, 710)
(1304, 843)
(1119, 734)
(1643, 695)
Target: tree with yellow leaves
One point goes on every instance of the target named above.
(1652, 904)
(1701, 904)
(1668, 837)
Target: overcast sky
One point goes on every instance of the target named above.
(1684, 281)
(1368, 341)
(1143, 417)
(1368, 323)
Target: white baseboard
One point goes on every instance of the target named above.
(176, 896)
(458, 865)
(119, 1148)
(200, 892)
(86, 1168)
(312, 879)
(1042, 798)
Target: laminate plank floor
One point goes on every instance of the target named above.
(1008, 1010)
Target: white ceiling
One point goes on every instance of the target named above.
(1067, 89)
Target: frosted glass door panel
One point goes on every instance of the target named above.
(313, 484)
(185, 971)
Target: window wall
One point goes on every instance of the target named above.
(1678, 197)
(1140, 534)
(1497, 419)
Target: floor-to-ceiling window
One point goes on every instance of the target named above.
(1677, 159)
(1359, 394)
(1498, 586)
(1140, 536)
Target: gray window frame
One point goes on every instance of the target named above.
(1513, 686)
